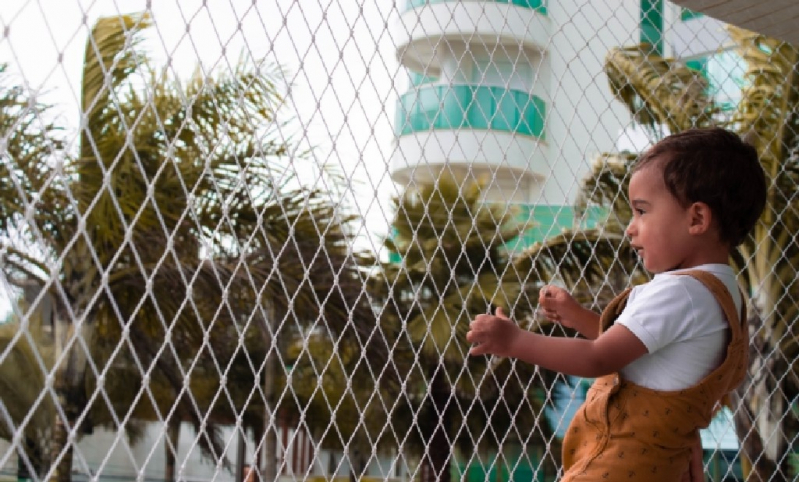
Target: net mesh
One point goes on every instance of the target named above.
(245, 240)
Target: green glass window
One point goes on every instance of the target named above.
(699, 65)
(541, 222)
(652, 24)
(419, 79)
(440, 106)
(688, 14)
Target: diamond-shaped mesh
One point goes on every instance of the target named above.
(246, 239)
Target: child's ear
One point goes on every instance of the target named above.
(700, 218)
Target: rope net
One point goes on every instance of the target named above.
(244, 240)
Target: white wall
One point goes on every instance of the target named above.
(583, 118)
(111, 457)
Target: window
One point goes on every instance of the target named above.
(688, 14)
(652, 24)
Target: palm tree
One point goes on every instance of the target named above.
(28, 356)
(664, 96)
(337, 397)
(167, 236)
(452, 266)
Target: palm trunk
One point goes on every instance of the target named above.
(435, 462)
(258, 456)
(269, 470)
(759, 417)
(171, 448)
(29, 461)
(758, 467)
(70, 390)
(62, 471)
(355, 466)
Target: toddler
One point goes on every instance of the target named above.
(663, 353)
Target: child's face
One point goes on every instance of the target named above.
(658, 230)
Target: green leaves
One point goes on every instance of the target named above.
(179, 228)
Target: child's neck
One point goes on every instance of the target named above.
(714, 256)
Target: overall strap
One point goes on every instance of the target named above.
(733, 369)
(724, 298)
(613, 310)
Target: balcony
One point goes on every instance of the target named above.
(469, 128)
(538, 5)
(460, 107)
(429, 30)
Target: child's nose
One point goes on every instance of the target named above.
(631, 230)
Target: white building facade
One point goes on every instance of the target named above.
(513, 92)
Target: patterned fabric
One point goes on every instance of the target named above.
(625, 432)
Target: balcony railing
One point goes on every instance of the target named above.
(470, 107)
(538, 5)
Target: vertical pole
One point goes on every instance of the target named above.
(240, 449)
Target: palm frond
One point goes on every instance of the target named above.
(110, 58)
(766, 99)
(659, 91)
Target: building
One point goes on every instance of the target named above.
(507, 91)
(513, 91)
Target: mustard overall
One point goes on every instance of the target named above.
(626, 432)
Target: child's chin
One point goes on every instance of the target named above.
(650, 268)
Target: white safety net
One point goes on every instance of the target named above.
(244, 240)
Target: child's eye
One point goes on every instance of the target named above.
(639, 211)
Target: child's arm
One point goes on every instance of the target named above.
(608, 353)
(696, 468)
(559, 306)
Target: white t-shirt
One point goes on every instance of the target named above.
(681, 324)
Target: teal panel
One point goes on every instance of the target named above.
(688, 14)
(419, 79)
(538, 5)
(508, 116)
(724, 72)
(541, 222)
(722, 464)
(535, 112)
(699, 65)
(454, 105)
(470, 107)
(516, 469)
(482, 109)
(652, 24)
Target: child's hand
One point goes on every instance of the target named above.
(493, 334)
(559, 306)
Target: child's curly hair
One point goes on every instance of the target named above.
(716, 167)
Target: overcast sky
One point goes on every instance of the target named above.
(338, 54)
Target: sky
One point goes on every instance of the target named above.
(338, 58)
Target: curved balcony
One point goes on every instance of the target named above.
(467, 25)
(481, 129)
(537, 5)
(439, 106)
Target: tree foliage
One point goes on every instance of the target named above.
(451, 264)
(176, 228)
